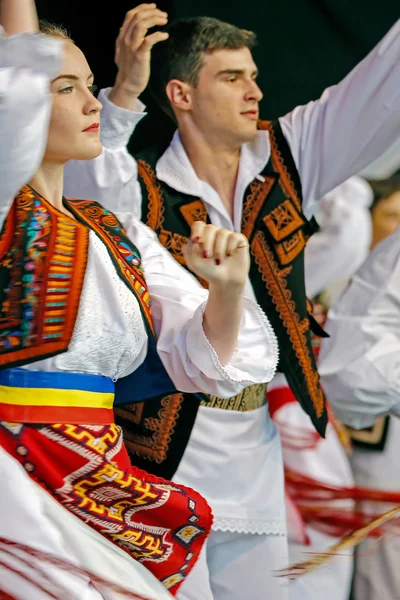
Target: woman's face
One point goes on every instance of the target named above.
(74, 131)
(385, 217)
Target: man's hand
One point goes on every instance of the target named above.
(219, 256)
(133, 53)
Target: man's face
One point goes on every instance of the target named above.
(225, 101)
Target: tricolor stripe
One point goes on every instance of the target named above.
(44, 397)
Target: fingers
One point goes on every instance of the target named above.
(131, 13)
(137, 24)
(236, 241)
(154, 38)
(216, 243)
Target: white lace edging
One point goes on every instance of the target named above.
(271, 340)
(252, 526)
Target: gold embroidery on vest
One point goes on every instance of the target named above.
(254, 203)
(155, 446)
(283, 220)
(174, 243)
(251, 398)
(275, 280)
(194, 211)
(289, 249)
(279, 165)
(155, 215)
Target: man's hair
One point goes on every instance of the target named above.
(384, 188)
(181, 56)
(53, 30)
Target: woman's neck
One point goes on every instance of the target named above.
(48, 181)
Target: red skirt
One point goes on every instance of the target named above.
(86, 468)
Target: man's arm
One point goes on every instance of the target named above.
(360, 362)
(341, 246)
(350, 126)
(111, 179)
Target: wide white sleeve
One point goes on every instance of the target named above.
(111, 178)
(341, 246)
(178, 303)
(28, 62)
(350, 126)
(360, 362)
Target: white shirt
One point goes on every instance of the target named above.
(334, 253)
(360, 362)
(109, 336)
(239, 468)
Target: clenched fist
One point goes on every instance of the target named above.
(218, 255)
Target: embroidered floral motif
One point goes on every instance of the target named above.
(251, 398)
(194, 211)
(44, 260)
(174, 243)
(85, 468)
(283, 220)
(275, 280)
(155, 446)
(122, 251)
(253, 204)
(279, 165)
(155, 216)
(289, 249)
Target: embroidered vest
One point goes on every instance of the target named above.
(43, 257)
(277, 230)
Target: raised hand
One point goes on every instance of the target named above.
(18, 16)
(218, 255)
(133, 52)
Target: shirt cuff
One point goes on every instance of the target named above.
(33, 51)
(118, 124)
(255, 357)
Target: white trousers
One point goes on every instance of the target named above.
(30, 516)
(237, 566)
(377, 573)
(331, 581)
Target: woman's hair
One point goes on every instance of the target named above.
(384, 188)
(53, 30)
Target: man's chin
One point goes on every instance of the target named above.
(249, 134)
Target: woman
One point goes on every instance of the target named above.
(76, 317)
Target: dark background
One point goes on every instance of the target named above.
(303, 45)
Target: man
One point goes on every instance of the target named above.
(226, 167)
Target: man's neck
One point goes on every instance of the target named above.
(215, 164)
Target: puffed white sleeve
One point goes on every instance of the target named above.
(341, 246)
(360, 362)
(178, 303)
(350, 126)
(28, 62)
(111, 178)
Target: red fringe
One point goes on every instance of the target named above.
(26, 553)
(311, 498)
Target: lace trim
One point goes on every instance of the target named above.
(253, 526)
(272, 342)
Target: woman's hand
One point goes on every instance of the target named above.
(219, 256)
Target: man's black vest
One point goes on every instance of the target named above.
(277, 230)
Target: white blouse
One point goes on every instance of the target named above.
(109, 336)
